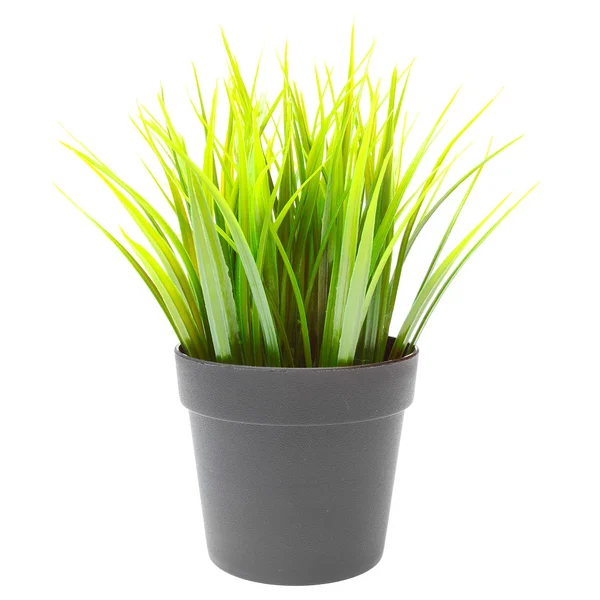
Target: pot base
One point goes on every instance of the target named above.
(289, 580)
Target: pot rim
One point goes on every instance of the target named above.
(181, 354)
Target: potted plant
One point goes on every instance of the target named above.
(277, 255)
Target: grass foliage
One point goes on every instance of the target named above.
(285, 242)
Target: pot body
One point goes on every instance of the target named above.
(296, 466)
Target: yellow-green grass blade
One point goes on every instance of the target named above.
(381, 263)
(200, 101)
(450, 227)
(237, 79)
(161, 226)
(159, 222)
(388, 301)
(411, 343)
(171, 133)
(435, 280)
(423, 221)
(387, 222)
(417, 327)
(183, 339)
(170, 262)
(159, 186)
(438, 164)
(173, 300)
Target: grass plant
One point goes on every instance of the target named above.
(285, 242)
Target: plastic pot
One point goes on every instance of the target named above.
(296, 466)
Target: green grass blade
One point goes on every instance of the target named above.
(351, 325)
(214, 278)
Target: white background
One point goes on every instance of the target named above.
(497, 491)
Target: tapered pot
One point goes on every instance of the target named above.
(296, 466)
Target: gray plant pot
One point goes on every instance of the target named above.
(296, 466)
